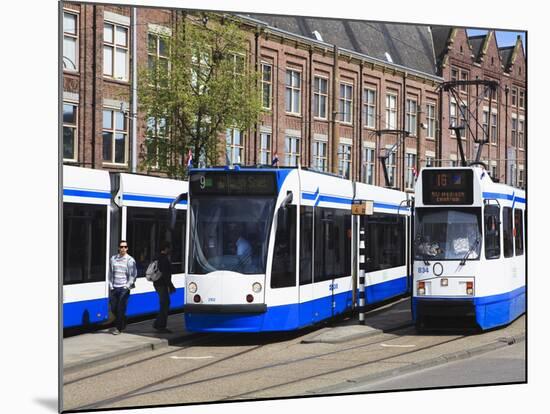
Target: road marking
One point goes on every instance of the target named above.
(202, 357)
(397, 346)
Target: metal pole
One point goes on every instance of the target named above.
(362, 265)
(133, 113)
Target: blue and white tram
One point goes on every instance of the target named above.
(99, 209)
(273, 249)
(469, 263)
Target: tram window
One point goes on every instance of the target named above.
(332, 243)
(385, 247)
(146, 229)
(84, 243)
(507, 230)
(306, 241)
(283, 271)
(518, 229)
(492, 232)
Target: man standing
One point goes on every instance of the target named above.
(164, 287)
(122, 275)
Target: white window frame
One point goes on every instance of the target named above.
(292, 158)
(391, 166)
(344, 160)
(411, 116)
(521, 98)
(231, 146)
(265, 151)
(320, 161)
(113, 131)
(267, 83)
(464, 88)
(494, 128)
(485, 123)
(292, 90)
(345, 103)
(320, 96)
(368, 165)
(114, 47)
(514, 97)
(453, 116)
(369, 107)
(410, 165)
(391, 111)
(155, 133)
(521, 135)
(514, 132)
(74, 36)
(430, 120)
(74, 127)
(157, 56)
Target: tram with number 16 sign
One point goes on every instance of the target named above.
(469, 250)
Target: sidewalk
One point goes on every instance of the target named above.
(82, 350)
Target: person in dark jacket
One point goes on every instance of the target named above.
(164, 288)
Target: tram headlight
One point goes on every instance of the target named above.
(444, 282)
(257, 287)
(421, 288)
(192, 287)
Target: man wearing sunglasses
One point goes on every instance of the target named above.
(122, 275)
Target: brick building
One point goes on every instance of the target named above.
(328, 87)
(478, 57)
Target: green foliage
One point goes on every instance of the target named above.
(201, 85)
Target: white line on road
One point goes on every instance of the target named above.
(201, 357)
(397, 346)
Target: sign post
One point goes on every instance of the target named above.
(362, 208)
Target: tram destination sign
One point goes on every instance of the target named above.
(232, 183)
(441, 187)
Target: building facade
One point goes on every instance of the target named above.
(336, 96)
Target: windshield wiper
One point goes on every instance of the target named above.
(463, 261)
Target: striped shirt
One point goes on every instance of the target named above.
(123, 271)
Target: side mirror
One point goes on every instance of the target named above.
(173, 211)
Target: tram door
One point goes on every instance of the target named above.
(305, 277)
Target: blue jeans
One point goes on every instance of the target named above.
(119, 300)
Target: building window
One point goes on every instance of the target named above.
(115, 51)
(514, 96)
(70, 131)
(494, 129)
(520, 133)
(454, 74)
(410, 164)
(430, 119)
(494, 172)
(293, 91)
(267, 85)
(521, 98)
(319, 151)
(292, 151)
(521, 177)
(485, 125)
(410, 117)
(265, 148)
(391, 111)
(391, 168)
(156, 141)
(513, 177)
(514, 131)
(369, 99)
(344, 160)
(464, 77)
(70, 41)
(453, 117)
(157, 54)
(320, 97)
(234, 145)
(368, 165)
(345, 103)
(429, 161)
(115, 137)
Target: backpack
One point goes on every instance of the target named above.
(152, 274)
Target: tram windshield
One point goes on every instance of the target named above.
(230, 233)
(447, 234)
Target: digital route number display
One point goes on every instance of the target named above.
(230, 183)
(447, 187)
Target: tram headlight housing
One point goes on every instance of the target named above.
(421, 289)
(470, 288)
(257, 287)
(445, 282)
(192, 287)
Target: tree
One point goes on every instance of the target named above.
(192, 91)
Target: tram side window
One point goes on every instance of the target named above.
(492, 232)
(507, 230)
(306, 244)
(283, 270)
(332, 243)
(385, 241)
(84, 243)
(147, 228)
(518, 226)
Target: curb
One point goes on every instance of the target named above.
(429, 363)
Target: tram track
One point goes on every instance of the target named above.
(153, 388)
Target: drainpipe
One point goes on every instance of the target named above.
(133, 110)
